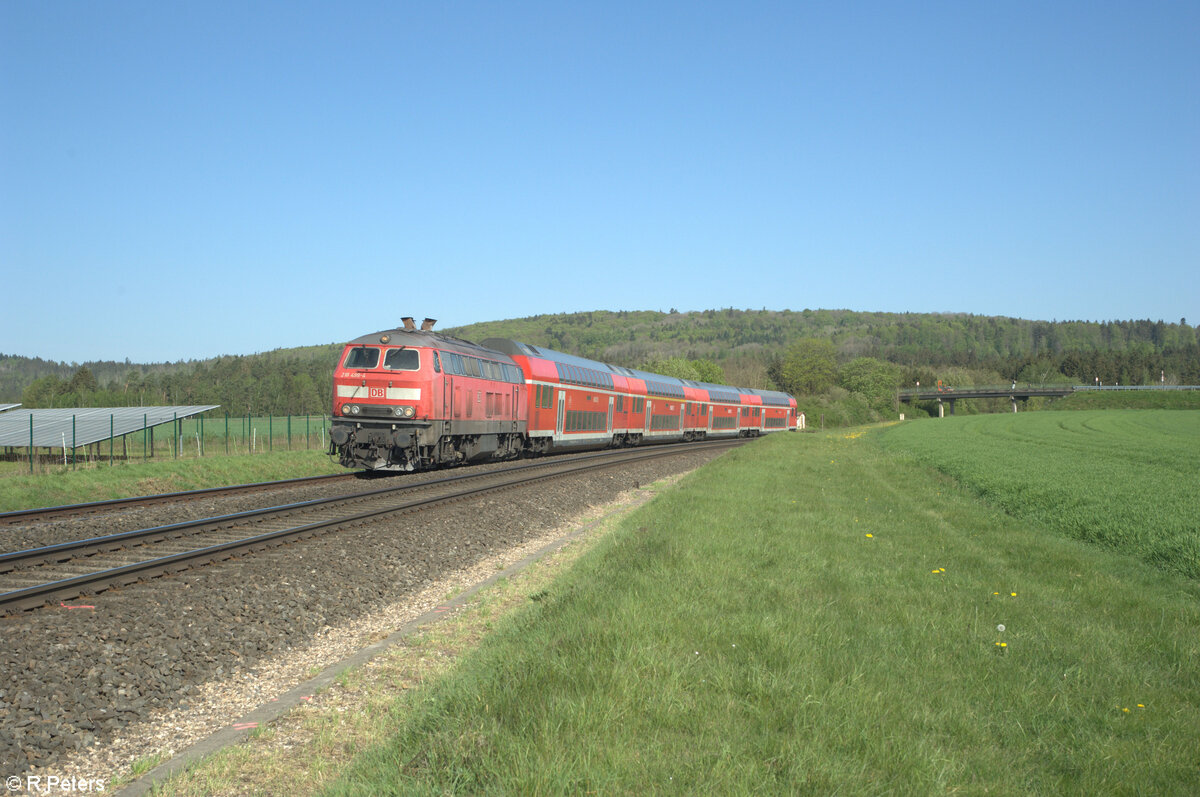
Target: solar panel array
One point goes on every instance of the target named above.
(4, 407)
(85, 425)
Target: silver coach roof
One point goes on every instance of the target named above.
(725, 393)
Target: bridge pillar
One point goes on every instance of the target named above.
(941, 409)
(1014, 401)
(951, 406)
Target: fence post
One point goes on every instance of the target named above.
(73, 416)
(144, 424)
(111, 432)
(271, 432)
(201, 435)
(31, 442)
(175, 433)
(307, 433)
(227, 433)
(289, 431)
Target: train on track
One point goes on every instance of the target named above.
(411, 399)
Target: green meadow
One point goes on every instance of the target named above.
(1128, 480)
(826, 613)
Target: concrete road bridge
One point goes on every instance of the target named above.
(948, 395)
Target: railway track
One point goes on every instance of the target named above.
(93, 507)
(37, 576)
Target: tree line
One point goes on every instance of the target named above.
(828, 354)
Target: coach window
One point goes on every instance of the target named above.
(362, 357)
(402, 360)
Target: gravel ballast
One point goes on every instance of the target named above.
(74, 679)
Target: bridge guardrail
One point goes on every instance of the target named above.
(952, 390)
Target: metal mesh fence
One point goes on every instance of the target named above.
(198, 436)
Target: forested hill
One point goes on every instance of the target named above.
(744, 343)
(903, 338)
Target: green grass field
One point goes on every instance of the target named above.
(820, 614)
(96, 482)
(1128, 480)
(1129, 399)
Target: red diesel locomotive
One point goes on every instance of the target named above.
(410, 399)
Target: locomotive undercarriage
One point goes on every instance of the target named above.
(421, 445)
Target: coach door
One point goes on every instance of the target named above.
(649, 409)
(562, 405)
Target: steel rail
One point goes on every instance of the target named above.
(61, 589)
(61, 552)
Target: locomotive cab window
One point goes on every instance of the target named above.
(361, 357)
(402, 360)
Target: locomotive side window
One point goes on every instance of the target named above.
(437, 363)
(402, 360)
(362, 357)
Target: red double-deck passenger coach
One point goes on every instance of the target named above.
(410, 398)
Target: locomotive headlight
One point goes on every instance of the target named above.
(409, 412)
(398, 412)
(353, 408)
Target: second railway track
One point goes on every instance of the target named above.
(35, 577)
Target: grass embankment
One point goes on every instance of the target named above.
(814, 613)
(99, 482)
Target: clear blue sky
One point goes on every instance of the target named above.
(185, 179)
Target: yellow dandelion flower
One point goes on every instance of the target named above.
(1140, 705)
(942, 569)
(1125, 710)
(870, 535)
(995, 593)
(1003, 644)
(1013, 594)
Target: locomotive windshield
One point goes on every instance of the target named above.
(362, 357)
(402, 360)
